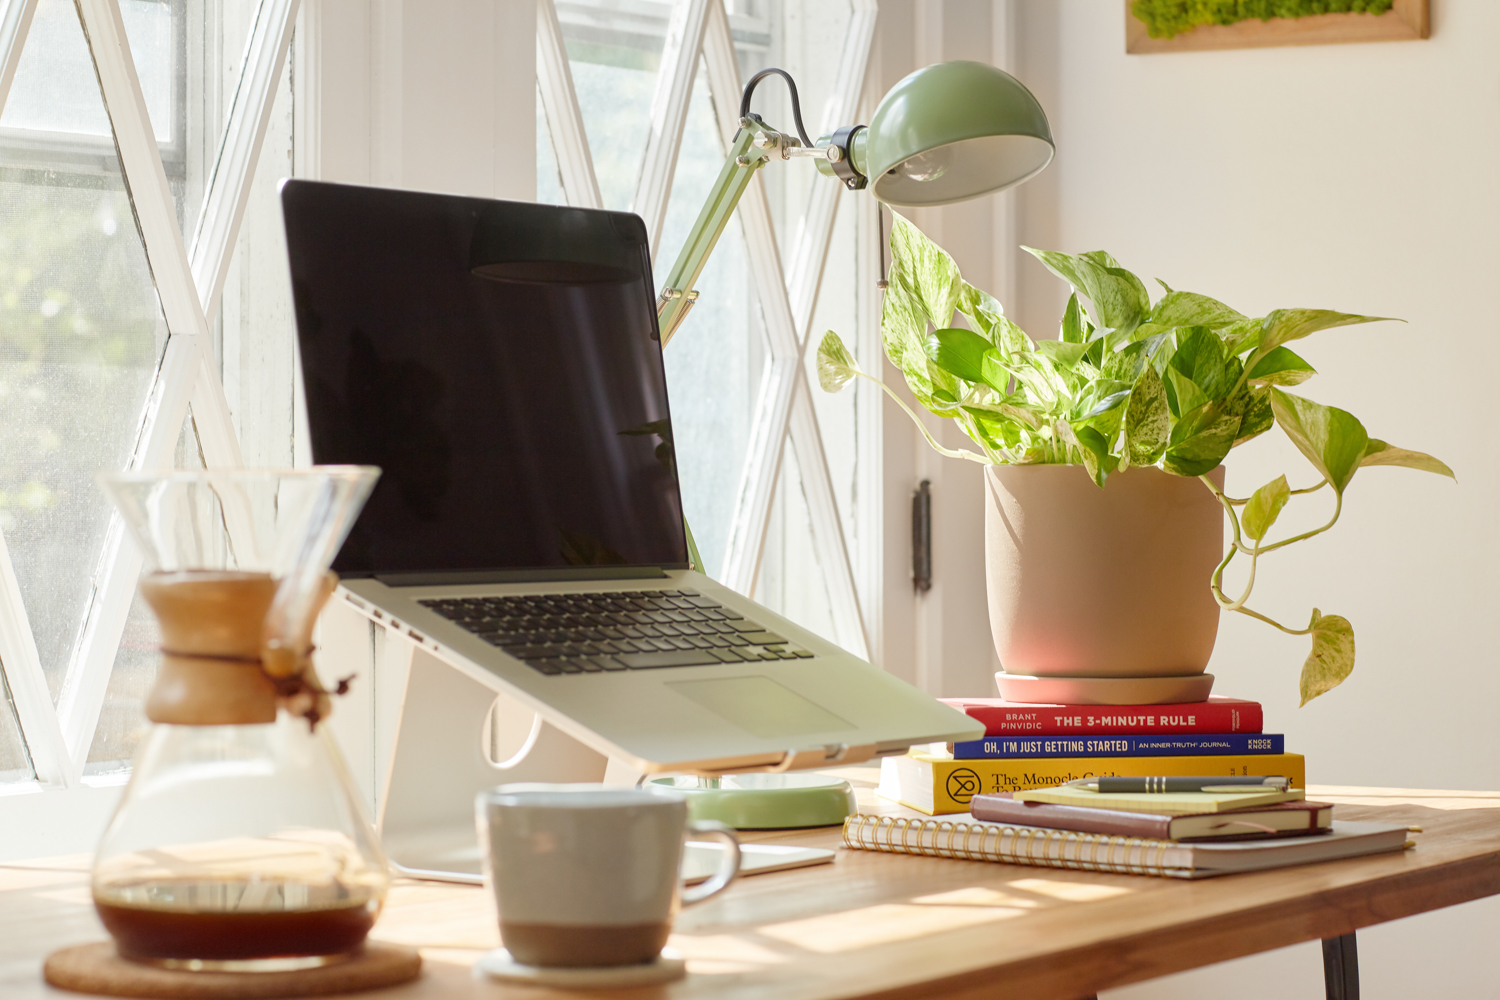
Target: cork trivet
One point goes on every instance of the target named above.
(97, 968)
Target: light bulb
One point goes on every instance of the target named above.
(928, 166)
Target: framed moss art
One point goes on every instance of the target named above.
(1192, 25)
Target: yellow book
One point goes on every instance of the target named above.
(936, 784)
(1161, 803)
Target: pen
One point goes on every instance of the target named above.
(1215, 783)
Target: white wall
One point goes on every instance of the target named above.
(1352, 177)
(436, 95)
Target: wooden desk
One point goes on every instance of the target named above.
(889, 926)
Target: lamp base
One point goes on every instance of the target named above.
(766, 801)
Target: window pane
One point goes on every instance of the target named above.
(714, 362)
(55, 89)
(257, 330)
(15, 762)
(614, 50)
(81, 336)
(806, 40)
(838, 310)
(549, 188)
(791, 579)
(122, 719)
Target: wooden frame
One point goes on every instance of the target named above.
(1406, 21)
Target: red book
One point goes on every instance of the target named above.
(1013, 718)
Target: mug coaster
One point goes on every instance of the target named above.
(499, 964)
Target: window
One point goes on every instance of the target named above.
(126, 280)
(636, 103)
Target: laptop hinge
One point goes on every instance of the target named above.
(522, 575)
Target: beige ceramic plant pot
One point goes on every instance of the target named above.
(1100, 596)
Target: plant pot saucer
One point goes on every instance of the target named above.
(1104, 690)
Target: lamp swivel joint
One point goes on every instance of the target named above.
(840, 158)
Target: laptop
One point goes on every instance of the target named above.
(501, 363)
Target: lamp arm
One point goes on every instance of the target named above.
(755, 144)
(678, 295)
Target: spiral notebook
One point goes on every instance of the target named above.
(1026, 845)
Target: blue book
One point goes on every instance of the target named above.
(993, 747)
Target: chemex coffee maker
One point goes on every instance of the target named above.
(240, 844)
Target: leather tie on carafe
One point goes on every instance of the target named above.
(216, 668)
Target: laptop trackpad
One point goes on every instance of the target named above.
(760, 706)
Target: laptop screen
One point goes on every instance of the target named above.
(500, 362)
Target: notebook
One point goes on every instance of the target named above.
(1160, 803)
(1282, 819)
(1023, 845)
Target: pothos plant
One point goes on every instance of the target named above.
(1173, 384)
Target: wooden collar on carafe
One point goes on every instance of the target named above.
(214, 670)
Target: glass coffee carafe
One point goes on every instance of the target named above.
(240, 843)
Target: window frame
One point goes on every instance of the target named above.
(189, 277)
(784, 412)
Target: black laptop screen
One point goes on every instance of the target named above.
(500, 362)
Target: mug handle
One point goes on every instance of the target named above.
(729, 867)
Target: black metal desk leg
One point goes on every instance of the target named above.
(1341, 968)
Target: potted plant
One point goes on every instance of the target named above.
(1103, 449)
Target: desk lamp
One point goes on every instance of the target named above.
(946, 133)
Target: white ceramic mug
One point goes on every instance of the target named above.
(589, 876)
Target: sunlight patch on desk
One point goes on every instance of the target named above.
(724, 954)
(888, 923)
(465, 957)
(78, 895)
(1427, 798)
(1072, 892)
(976, 895)
(41, 878)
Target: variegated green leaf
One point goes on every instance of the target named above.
(1200, 440)
(1281, 367)
(1285, 325)
(1183, 394)
(1264, 507)
(959, 352)
(1072, 323)
(1332, 656)
(1377, 452)
(1333, 440)
(1191, 309)
(1147, 421)
(982, 309)
(1064, 354)
(1119, 299)
(836, 366)
(929, 270)
(1253, 404)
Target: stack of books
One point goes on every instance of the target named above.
(1029, 746)
(1182, 834)
(1045, 787)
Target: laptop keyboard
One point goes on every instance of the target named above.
(630, 630)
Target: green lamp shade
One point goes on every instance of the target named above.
(952, 131)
